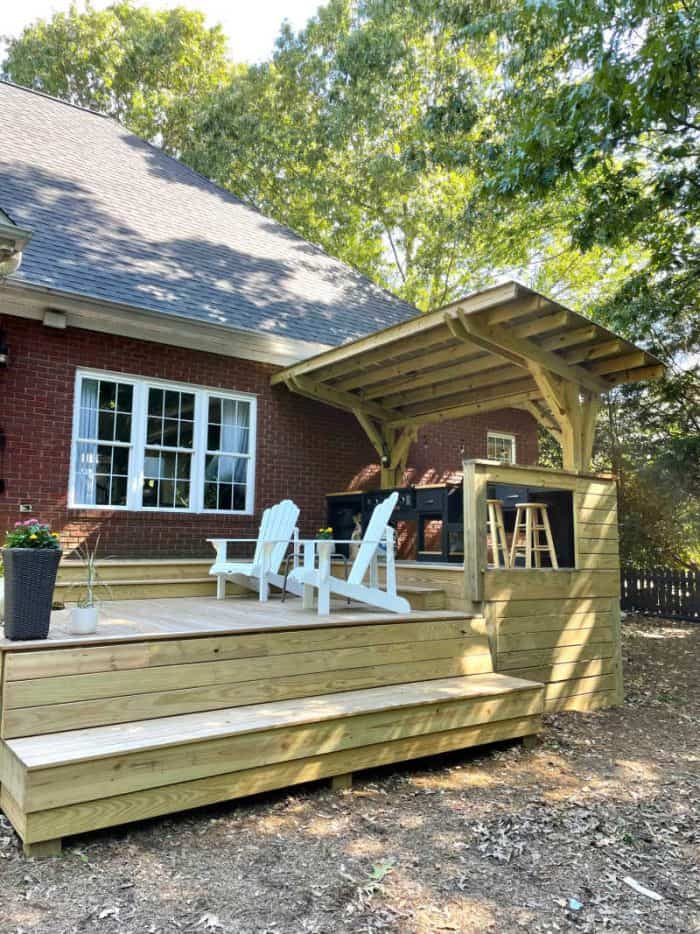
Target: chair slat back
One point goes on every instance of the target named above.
(263, 534)
(370, 542)
(280, 529)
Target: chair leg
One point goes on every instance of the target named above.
(220, 587)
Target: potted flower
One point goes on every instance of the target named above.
(30, 558)
(85, 614)
(324, 545)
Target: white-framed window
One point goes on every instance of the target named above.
(500, 447)
(159, 446)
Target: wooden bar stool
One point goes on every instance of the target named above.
(532, 521)
(496, 533)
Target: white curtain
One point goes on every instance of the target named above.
(235, 425)
(86, 453)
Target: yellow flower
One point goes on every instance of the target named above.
(55, 534)
(32, 536)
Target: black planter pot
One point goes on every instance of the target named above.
(30, 575)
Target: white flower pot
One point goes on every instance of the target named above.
(83, 620)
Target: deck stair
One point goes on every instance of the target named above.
(99, 734)
(141, 579)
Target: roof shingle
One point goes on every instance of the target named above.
(116, 219)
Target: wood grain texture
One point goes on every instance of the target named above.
(123, 772)
(122, 809)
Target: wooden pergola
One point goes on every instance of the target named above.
(504, 347)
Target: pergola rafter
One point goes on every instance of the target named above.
(505, 347)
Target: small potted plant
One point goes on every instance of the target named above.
(30, 558)
(85, 614)
(324, 544)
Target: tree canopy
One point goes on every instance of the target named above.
(148, 69)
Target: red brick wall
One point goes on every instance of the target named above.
(304, 449)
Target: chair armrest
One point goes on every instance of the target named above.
(227, 540)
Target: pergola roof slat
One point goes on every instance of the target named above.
(505, 347)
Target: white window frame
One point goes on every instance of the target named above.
(503, 436)
(138, 445)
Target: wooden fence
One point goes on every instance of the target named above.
(662, 592)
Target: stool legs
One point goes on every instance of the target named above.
(532, 521)
(497, 533)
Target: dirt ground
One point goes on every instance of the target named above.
(551, 839)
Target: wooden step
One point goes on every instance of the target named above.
(109, 570)
(84, 779)
(136, 588)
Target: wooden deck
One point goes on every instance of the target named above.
(175, 704)
(122, 620)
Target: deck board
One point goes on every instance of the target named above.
(133, 620)
(98, 742)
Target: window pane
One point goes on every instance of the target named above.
(166, 495)
(225, 470)
(215, 411)
(125, 395)
(167, 466)
(172, 404)
(226, 478)
(213, 438)
(108, 395)
(155, 401)
(123, 428)
(183, 466)
(182, 495)
(104, 459)
(118, 497)
(170, 433)
(187, 406)
(150, 493)
(154, 430)
(105, 426)
(102, 485)
(243, 414)
(186, 434)
(151, 464)
(120, 461)
(225, 498)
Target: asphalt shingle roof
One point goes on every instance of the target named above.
(115, 218)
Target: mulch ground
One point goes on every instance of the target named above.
(559, 838)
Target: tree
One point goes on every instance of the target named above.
(147, 69)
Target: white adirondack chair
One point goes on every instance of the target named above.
(319, 578)
(277, 529)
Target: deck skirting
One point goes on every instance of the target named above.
(98, 734)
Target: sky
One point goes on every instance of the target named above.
(251, 25)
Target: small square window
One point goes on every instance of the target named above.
(500, 447)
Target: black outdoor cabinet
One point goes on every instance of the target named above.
(421, 505)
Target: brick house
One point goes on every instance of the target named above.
(138, 338)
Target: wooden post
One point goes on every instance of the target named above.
(475, 520)
(42, 849)
(392, 447)
(341, 782)
(574, 409)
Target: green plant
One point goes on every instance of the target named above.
(31, 534)
(324, 534)
(92, 583)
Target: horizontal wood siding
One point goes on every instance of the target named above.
(73, 688)
(562, 627)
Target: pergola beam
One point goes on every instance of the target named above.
(470, 408)
(524, 352)
(392, 447)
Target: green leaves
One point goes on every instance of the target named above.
(149, 70)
